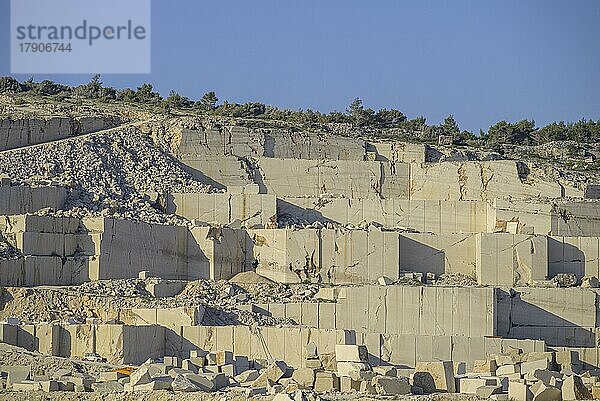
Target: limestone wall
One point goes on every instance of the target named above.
(30, 271)
(590, 356)
(475, 181)
(403, 152)
(575, 255)
(408, 349)
(460, 311)
(218, 171)
(287, 177)
(16, 133)
(20, 199)
(282, 343)
(167, 317)
(118, 344)
(511, 259)
(360, 256)
(334, 256)
(252, 210)
(240, 141)
(576, 219)
(436, 216)
(124, 248)
(560, 316)
(287, 256)
(218, 253)
(170, 252)
(101, 248)
(557, 218)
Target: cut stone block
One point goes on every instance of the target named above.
(311, 350)
(543, 392)
(469, 385)
(110, 376)
(328, 361)
(208, 381)
(158, 369)
(352, 369)
(385, 385)
(435, 377)
(247, 376)
(49, 385)
(544, 375)
(351, 353)
(228, 370)
(573, 389)
(326, 381)
(187, 364)
(107, 387)
(460, 368)
(530, 366)
(16, 374)
(385, 371)
(140, 376)
(519, 391)
(487, 391)
(156, 384)
(26, 385)
(172, 361)
(505, 370)
(484, 366)
(348, 385)
(183, 384)
(273, 373)
(305, 377)
(282, 397)
(210, 369)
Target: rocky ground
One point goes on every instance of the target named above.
(106, 297)
(231, 395)
(115, 173)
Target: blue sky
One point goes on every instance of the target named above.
(481, 61)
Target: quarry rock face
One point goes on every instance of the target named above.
(175, 255)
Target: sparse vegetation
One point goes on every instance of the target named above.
(389, 123)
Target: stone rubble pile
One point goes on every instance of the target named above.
(110, 174)
(344, 371)
(518, 376)
(537, 376)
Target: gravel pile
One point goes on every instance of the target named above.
(47, 365)
(111, 174)
(455, 280)
(565, 280)
(106, 297)
(114, 288)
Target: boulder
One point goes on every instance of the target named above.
(386, 385)
(182, 383)
(435, 377)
